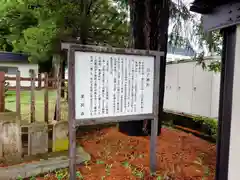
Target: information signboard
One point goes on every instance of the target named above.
(113, 85)
(108, 84)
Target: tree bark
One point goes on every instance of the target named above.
(138, 23)
(138, 10)
(149, 20)
(159, 21)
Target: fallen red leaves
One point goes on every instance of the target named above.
(180, 156)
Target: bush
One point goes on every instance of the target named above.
(204, 125)
(208, 123)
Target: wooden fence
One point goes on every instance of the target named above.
(36, 83)
(39, 81)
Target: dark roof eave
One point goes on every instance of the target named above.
(207, 6)
(200, 10)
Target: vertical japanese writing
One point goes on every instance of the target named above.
(103, 86)
(135, 85)
(114, 85)
(148, 77)
(95, 86)
(132, 84)
(122, 85)
(129, 86)
(82, 100)
(111, 65)
(99, 85)
(91, 85)
(118, 83)
(106, 87)
(142, 85)
(125, 84)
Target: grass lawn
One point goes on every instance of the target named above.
(10, 104)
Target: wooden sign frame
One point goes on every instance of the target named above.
(71, 100)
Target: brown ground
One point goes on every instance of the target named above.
(180, 156)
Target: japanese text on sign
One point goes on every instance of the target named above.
(108, 85)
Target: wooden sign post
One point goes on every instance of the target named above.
(107, 85)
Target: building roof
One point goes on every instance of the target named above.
(207, 6)
(187, 51)
(13, 57)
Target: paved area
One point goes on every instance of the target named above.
(40, 167)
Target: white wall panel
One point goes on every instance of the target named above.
(202, 91)
(180, 94)
(171, 85)
(215, 95)
(185, 85)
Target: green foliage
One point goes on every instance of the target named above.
(38, 41)
(210, 123)
(215, 66)
(213, 40)
(38, 27)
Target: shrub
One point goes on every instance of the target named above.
(210, 123)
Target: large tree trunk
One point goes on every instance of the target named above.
(149, 21)
(138, 10)
(159, 21)
(138, 23)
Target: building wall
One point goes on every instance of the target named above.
(189, 89)
(24, 71)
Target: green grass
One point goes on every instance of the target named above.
(10, 104)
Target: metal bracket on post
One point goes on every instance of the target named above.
(223, 16)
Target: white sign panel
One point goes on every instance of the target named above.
(109, 85)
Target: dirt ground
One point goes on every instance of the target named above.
(180, 156)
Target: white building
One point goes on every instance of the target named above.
(11, 62)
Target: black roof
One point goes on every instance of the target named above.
(207, 6)
(13, 57)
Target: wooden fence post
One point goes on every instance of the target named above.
(18, 95)
(32, 109)
(39, 80)
(58, 105)
(2, 91)
(18, 111)
(46, 98)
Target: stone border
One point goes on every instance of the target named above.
(40, 167)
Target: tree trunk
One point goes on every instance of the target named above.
(138, 23)
(159, 21)
(138, 10)
(149, 21)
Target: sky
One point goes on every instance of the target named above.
(187, 32)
